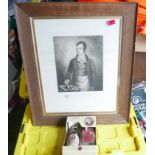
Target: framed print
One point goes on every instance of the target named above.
(78, 59)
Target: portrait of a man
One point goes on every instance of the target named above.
(80, 72)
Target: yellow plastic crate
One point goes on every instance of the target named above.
(119, 139)
(23, 92)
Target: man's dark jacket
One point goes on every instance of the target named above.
(90, 69)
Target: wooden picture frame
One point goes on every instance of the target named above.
(34, 20)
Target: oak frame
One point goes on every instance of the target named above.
(128, 12)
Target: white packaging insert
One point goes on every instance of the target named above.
(80, 137)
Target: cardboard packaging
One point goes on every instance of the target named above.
(80, 137)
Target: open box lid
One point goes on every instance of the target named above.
(78, 59)
(84, 121)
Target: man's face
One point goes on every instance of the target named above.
(80, 50)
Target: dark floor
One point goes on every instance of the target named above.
(14, 122)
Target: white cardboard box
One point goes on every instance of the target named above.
(85, 122)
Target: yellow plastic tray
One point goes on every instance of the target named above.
(120, 139)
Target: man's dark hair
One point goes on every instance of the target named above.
(83, 43)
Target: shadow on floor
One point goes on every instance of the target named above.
(14, 121)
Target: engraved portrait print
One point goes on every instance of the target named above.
(79, 63)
